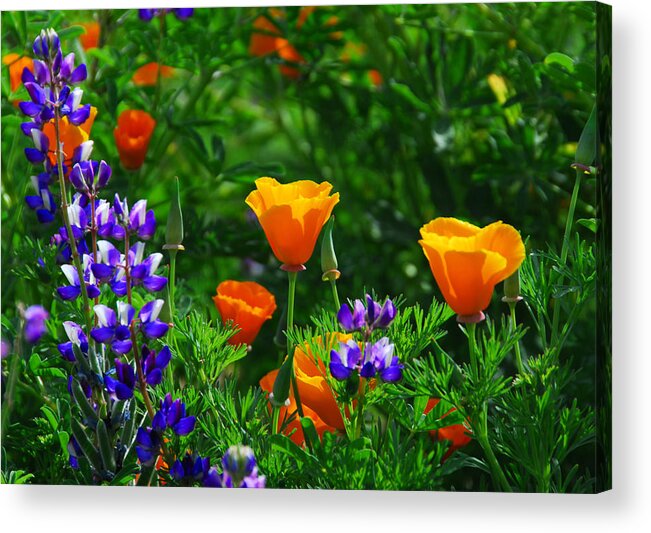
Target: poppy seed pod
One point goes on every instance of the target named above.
(512, 288)
(328, 257)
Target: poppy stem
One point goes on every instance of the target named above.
(472, 345)
(482, 436)
(335, 294)
(569, 224)
(291, 296)
(516, 347)
(172, 282)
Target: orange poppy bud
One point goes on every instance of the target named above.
(90, 38)
(375, 77)
(247, 304)
(456, 434)
(16, 66)
(292, 216)
(148, 74)
(263, 41)
(468, 261)
(317, 397)
(132, 136)
(71, 136)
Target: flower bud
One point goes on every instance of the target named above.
(174, 231)
(586, 149)
(280, 394)
(512, 288)
(328, 258)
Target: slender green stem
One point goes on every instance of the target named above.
(359, 411)
(472, 346)
(335, 294)
(72, 242)
(482, 436)
(569, 224)
(172, 281)
(275, 418)
(291, 295)
(12, 379)
(516, 347)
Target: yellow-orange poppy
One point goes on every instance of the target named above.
(468, 261)
(263, 38)
(90, 38)
(132, 136)
(247, 304)
(456, 434)
(16, 65)
(71, 136)
(292, 216)
(148, 74)
(317, 398)
(287, 52)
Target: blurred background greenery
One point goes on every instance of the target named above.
(411, 112)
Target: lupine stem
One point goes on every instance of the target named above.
(516, 347)
(66, 219)
(359, 417)
(291, 294)
(569, 223)
(480, 427)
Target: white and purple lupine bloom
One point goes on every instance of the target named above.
(72, 291)
(143, 271)
(108, 259)
(114, 329)
(121, 387)
(138, 221)
(379, 358)
(151, 327)
(175, 416)
(38, 153)
(43, 201)
(192, 469)
(90, 176)
(41, 107)
(77, 337)
(153, 364)
(47, 44)
(64, 254)
(240, 469)
(107, 225)
(78, 218)
(74, 452)
(35, 317)
(345, 361)
(371, 317)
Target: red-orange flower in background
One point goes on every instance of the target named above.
(468, 261)
(71, 136)
(132, 136)
(90, 38)
(456, 434)
(148, 74)
(16, 65)
(317, 397)
(247, 304)
(292, 216)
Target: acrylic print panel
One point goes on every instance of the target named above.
(351, 247)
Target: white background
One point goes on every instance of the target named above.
(626, 508)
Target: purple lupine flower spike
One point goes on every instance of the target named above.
(114, 329)
(386, 316)
(150, 326)
(108, 258)
(193, 468)
(385, 363)
(76, 336)
(42, 202)
(74, 289)
(352, 320)
(141, 221)
(175, 416)
(153, 365)
(35, 317)
(344, 361)
(143, 271)
(148, 445)
(240, 469)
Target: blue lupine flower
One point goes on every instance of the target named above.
(41, 107)
(108, 259)
(151, 327)
(76, 336)
(379, 358)
(114, 329)
(107, 225)
(175, 416)
(47, 44)
(43, 202)
(373, 316)
(74, 452)
(69, 74)
(240, 469)
(90, 176)
(73, 290)
(143, 271)
(148, 443)
(147, 15)
(64, 254)
(35, 317)
(138, 221)
(192, 468)
(121, 388)
(346, 360)
(153, 365)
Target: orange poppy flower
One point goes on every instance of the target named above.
(248, 304)
(148, 74)
(71, 136)
(287, 52)
(132, 136)
(90, 38)
(16, 66)
(317, 397)
(468, 261)
(456, 434)
(263, 38)
(292, 216)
